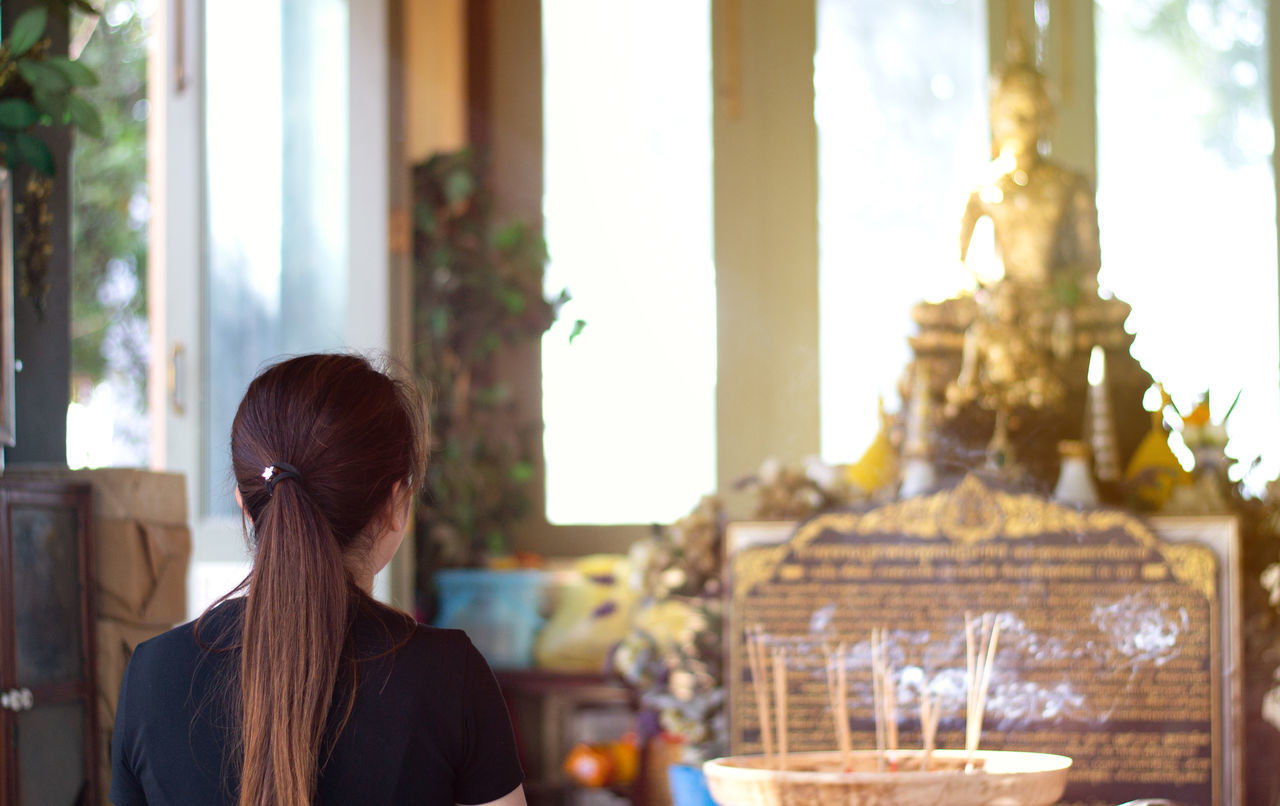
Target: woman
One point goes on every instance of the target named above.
(305, 690)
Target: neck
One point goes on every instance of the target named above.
(364, 580)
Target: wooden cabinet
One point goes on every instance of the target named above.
(553, 711)
(48, 747)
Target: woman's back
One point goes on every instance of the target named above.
(427, 726)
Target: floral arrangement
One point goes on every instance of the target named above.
(673, 653)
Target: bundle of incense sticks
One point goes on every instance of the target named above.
(756, 653)
(838, 693)
(884, 699)
(980, 649)
(981, 637)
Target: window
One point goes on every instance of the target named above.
(629, 406)
(1186, 200)
(107, 421)
(277, 200)
(269, 174)
(900, 100)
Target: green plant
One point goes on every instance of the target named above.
(672, 656)
(39, 88)
(478, 300)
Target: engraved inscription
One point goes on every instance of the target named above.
(1107, 650)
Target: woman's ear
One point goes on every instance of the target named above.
(387, 532)
(240, 501)
(393, 518)
(400, 503)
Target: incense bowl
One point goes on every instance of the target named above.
(997, 778)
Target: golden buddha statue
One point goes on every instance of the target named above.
(1043, 213)
(1008, 364)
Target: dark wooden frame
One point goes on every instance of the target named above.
(78, 497)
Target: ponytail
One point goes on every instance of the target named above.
(295, 625)
(350, 434)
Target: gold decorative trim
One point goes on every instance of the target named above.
(971, 513)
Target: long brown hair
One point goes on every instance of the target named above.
(351, 432)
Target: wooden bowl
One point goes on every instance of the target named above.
(998, 778)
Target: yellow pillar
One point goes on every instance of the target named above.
(766, 236)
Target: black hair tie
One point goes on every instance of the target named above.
(277, 472)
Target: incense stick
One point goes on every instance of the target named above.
(986, 682)
(877, 697)
(759, 681)
(842, 690)
(929, 713)
(838, 697)
(780, 689)
(969, 682)
(833, 691)
(890, 701)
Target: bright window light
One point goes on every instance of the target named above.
(1186, 201)
(900, 100)
(276, 203)
(629, 405)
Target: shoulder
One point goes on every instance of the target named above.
(421, 679)
(190, 653)
(175, 645)
(444, 651)
(439, 638)
(440, 655)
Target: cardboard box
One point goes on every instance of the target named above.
(142, 571)
(121, 493)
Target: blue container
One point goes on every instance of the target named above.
(498, 610)
(688, 786)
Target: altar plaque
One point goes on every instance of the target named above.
(1118, 647)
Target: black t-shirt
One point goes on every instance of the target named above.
(428, 725)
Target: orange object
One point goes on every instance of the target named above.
(528, 559)
(589, 765)
(1200, 414)
(509, 562)
(625, 754)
